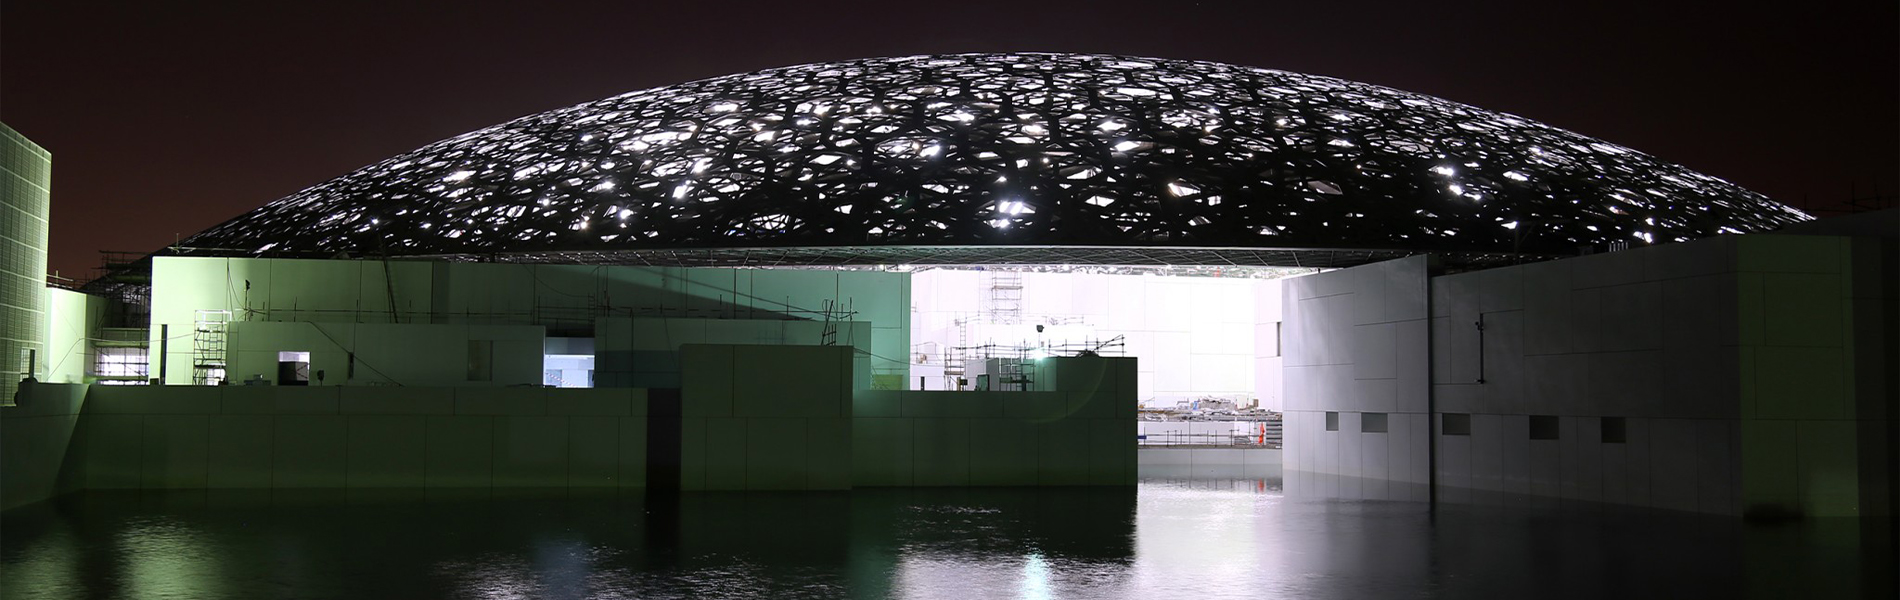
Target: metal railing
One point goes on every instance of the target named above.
(1246, 434)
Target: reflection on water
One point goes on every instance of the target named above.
(1168, 538)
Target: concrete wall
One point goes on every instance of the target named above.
(361, 437)
(765, 418)
(1268, 318)
(1729, 360)
(1356, 343)
(1645, 335)
(26, 181)
(405, 354)
(1211, 462)
(566, 299)
(1815, 339)
(35, 444)
(1083, 433)
(1733, 375)
(646, 352)
(762, 417)
(71, 318)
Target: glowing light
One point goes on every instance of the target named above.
(907, 130)
(1182, 189)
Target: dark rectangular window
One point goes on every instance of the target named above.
(1332, 421)
(1371, 422)
(1454, 424)
(1277, 339)
(1543, 427)
(1615, 430)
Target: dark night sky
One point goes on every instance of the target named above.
(165, 120)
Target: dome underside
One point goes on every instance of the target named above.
(1032, 151)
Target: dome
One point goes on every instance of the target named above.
(1004, 158)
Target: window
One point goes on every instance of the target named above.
(120, 363)
(1454, 424)
(1332, 421)
(1274, 347)
(293, 368)
(1371, 422)
(1615, 430)
(1543, 427)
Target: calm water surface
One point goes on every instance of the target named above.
(1167, 538)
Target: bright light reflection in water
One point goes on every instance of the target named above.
(50, 564)
(1169, 538)
(166, 558)
(1035, 578)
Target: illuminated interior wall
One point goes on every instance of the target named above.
(565, 299)
(1195, 336)
(71, 317)
(26, 180)
(646, 352)
(1269, 341)
(389, 353)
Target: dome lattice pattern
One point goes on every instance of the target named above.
(994, 151)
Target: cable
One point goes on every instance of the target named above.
(340, 346)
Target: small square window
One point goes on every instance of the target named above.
(1332, 421)
(1454, 424)
(1615, 430)
(1543, 427)
(1371, 422)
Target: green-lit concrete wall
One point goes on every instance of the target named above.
(71, 318)
(260, 437)
(388, 353)
(784, 418)
(566, 299)
(645, 352)
(753, 417)
(36, 452)
(26, 181)
(1083, 434)
(765, 417)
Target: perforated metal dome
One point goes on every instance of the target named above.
(1005, 158)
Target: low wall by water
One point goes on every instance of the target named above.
(361, 437)
(1166, 461)
(787, 418)
(747, 418)
(994, 438)
(35, 441)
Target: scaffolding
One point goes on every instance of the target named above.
(1006, 297)
(834, 313)
(208, 334)
(953, 357)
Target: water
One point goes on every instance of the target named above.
(1167, 538)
